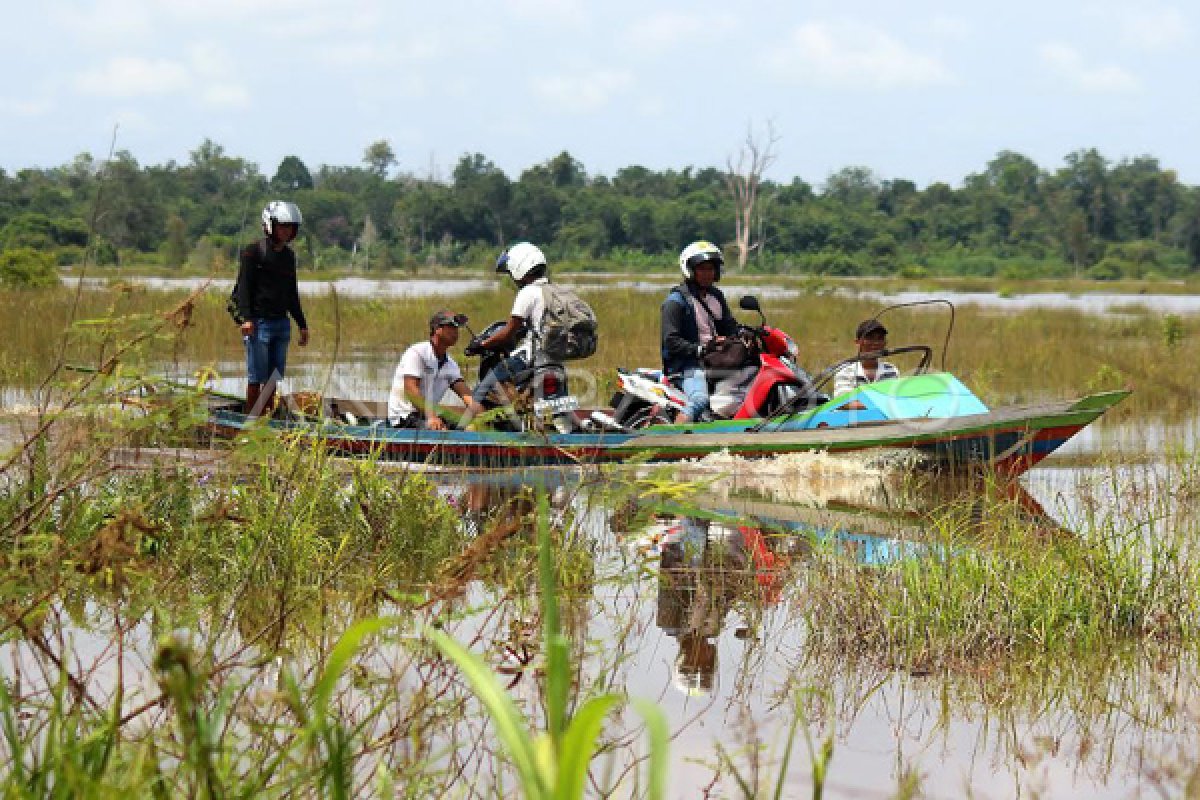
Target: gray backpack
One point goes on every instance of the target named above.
(569, 329)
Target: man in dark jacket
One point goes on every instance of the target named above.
(267, 292)
(693, 315)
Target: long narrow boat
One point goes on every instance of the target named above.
(933, 415)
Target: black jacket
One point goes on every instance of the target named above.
(267, 286)
(681, 335)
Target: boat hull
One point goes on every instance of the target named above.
(1008, 440)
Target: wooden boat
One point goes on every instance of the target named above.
(933, 415)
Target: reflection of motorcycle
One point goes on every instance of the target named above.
(537, 395)
(771, 382)
(703, 568)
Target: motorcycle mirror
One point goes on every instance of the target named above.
(749, 303)
(460, 320)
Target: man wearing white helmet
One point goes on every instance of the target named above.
(526, 265)
(694, 314)
(267, 292)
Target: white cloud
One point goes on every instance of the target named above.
(1154, 28)
(128, 120)
(128, 76)
(26, 109)
(552, 12)
(209, 59)
(223, 11)
(948, 27)
(669, 30)
(105, 21)
(225, 95)
(584, 92)
(366, 54)
(1070, 64)
(853, 56)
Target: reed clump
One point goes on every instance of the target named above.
(1004, 590)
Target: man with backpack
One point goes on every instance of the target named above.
(547, 322)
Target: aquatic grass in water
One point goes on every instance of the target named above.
(1009, 590)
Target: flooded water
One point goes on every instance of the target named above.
(712, 629)
(697, 603)
(1090, 302)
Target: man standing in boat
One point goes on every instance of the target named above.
(425, 372)
(871, 338)
(266, 293)
(694, 315)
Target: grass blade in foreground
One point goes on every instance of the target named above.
(554, 764)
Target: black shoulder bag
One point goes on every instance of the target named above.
(725, 354)
(231, 305)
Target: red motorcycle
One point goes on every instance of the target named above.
(768, 382)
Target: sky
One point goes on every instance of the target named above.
(923, 90)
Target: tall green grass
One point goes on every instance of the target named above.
(990, 587)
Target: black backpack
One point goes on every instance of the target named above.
(231, 304)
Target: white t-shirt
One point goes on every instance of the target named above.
(529, 305)
(421, 362)
(850, 376)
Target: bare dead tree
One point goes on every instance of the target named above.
(744, 177)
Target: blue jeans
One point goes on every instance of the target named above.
(695, 386)
(505, 370)
(266, 350)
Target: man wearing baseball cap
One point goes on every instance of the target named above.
(871, 338)
(425, 372)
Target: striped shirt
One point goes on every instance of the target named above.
(851, 376)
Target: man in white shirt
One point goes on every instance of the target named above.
(425, 372)
(526, 265)
(871, 338)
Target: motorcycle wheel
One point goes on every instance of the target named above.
(646, 417)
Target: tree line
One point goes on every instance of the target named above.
(1088, 217)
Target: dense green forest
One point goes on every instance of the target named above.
(1090, 217)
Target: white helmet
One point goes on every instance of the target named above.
(520, 260)
(283, 212)
(697, 253)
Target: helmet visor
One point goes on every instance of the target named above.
(704, 258)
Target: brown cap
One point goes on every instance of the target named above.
(869, 326)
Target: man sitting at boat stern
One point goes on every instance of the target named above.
(871, 338)
(425, 372)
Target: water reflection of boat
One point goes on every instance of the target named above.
(704, 568)
(888, 533)
(933, 415)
